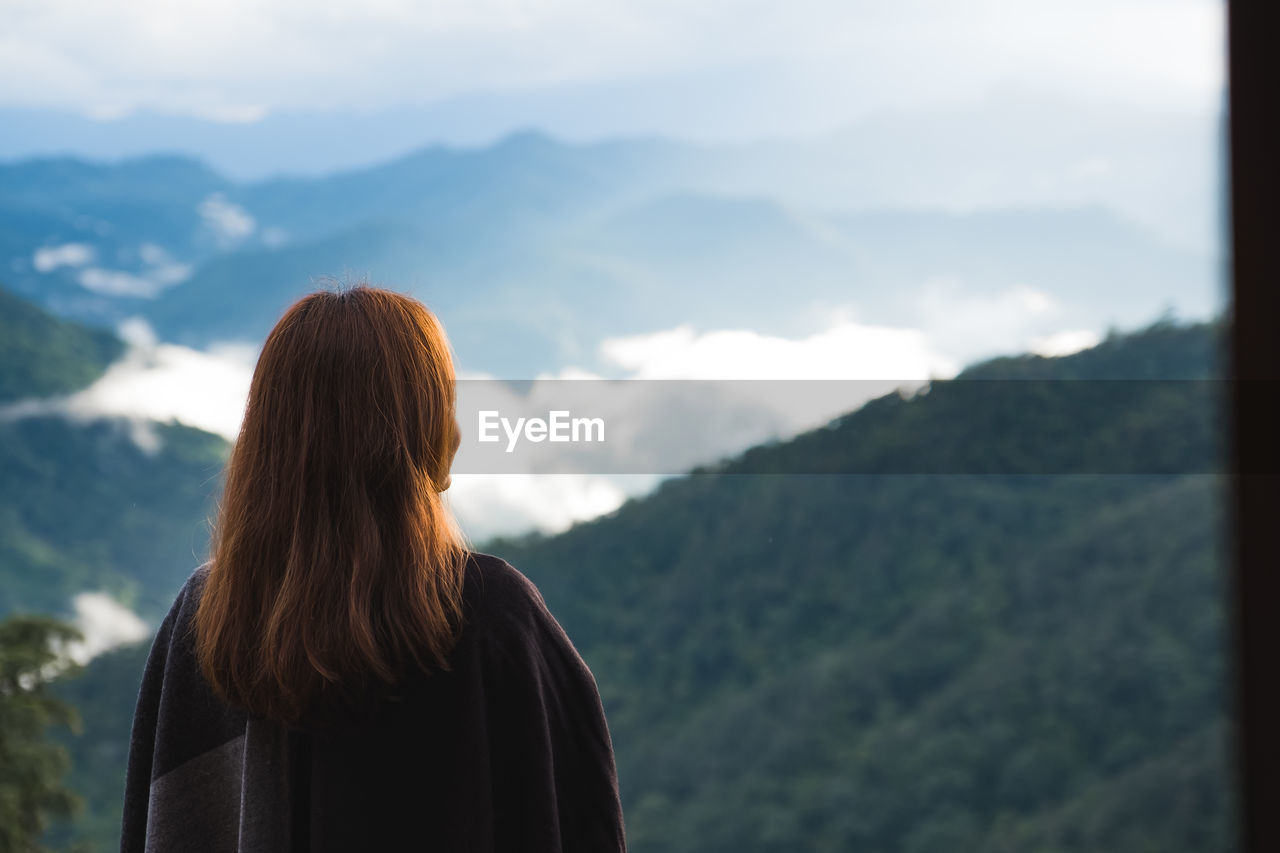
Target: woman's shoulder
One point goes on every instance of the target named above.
(507, 607)
(182, 610)
(497, 587)
(498, 599)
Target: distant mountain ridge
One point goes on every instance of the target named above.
(1013, 148)
(536, 250)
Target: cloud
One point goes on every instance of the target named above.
(1064, 342)
(971, 324)
(492, 505)
(117, 283)
(700, 396)
(1094, 167)
(161, 382)
(49, 258)
(159, 269)
(105, 624)
(660, 428)
(845, 350)
(236, 60)
(229, 222)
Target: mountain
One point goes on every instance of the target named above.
(899, 661)
(1017, 147)
(85, 508)
(88, 240)
(82, 505)
(536, 250)
(531, 285)
(920, 661)
(42, 355)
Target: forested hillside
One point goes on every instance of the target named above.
(82, 506)
(923, 662)
(41, 355)
(897, 662)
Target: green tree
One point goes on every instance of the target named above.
(33, 651)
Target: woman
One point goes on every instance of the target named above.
(343, 674)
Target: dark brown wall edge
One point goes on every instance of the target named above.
(1255, 191)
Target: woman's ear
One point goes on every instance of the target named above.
(444, 478)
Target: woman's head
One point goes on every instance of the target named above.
(335, 562)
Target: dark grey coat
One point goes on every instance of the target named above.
(508, 751)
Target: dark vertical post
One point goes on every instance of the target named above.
(1254, 98)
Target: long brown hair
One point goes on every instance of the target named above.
(335, 563)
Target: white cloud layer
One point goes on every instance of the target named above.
(237, 60)
(970, 325)
(116, 283)
(846, 350)
(49, 258)
(490, 505)
(1064, 342)
(105, 624)
(742, 413)
(229, 222)
(159, 270)
(159, 382)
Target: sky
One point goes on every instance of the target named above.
(713, 69)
